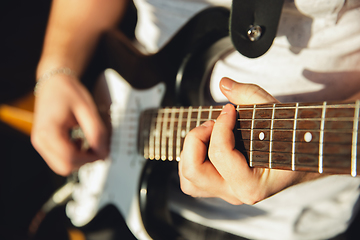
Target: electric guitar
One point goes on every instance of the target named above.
(155, 100)
(318, 137)
(175, 76)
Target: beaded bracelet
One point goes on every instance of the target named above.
(46, 76)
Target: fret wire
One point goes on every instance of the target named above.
(171, 137)
(252, 136)
(152, 138)
(145, 133)
(210, 112)
(294, 138)
(198, 117)
(157, 136)
(354, 141)
(178, 134)
(188, 119)
(164, 134)
(271, 134)
(321, 138)
(238, 113)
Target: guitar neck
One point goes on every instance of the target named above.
(321, 137)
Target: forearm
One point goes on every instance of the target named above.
(73, 31)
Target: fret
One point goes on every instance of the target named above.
(294, 138)
(303, 160)
(198, 116)
(345, 112)
(145, 130)
(252, 135)
(158, 135)
(152, 137)
(210, 112)
(215, 112)
(271, 135)
(238, 112)
(355, 140)
(171, 135)
(164, 134)
(188, 122)
(321, 140)
(178, 134)
(301, 136)
(301, 146)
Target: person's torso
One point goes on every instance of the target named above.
(315, 57)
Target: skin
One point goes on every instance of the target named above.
(63, 102)
(226, 173)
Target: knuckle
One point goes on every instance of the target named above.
(252, 90)
(63, 167)
(188, 173)
(63, 171)
(249, 198)
(250, 201)
(34, 140)
(195, 133)
(187, 188)
(37, 137)
(191, 135)
(216, 153)
(234, 201)
(184, 187)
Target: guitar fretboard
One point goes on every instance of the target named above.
(320, 137)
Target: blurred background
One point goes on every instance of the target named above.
(26, 181)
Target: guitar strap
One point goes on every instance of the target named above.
(253, 25)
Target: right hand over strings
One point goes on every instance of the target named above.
(63, 103)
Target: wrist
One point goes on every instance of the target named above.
(50, 74)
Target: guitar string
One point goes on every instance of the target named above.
(270, 107)
(199, 111)
(195, 122)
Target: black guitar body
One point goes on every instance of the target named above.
(193, 53)
(184, 65)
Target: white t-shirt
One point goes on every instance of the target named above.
(315, 57)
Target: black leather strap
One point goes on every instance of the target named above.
(247, 13)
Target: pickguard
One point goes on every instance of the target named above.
(115, 180)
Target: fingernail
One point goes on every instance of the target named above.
(227, 84)
(207, 123)
(225, 110)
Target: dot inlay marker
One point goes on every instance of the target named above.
(308, 137)
(262, 136)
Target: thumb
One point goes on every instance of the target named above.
(87, 116)
(241, 93)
